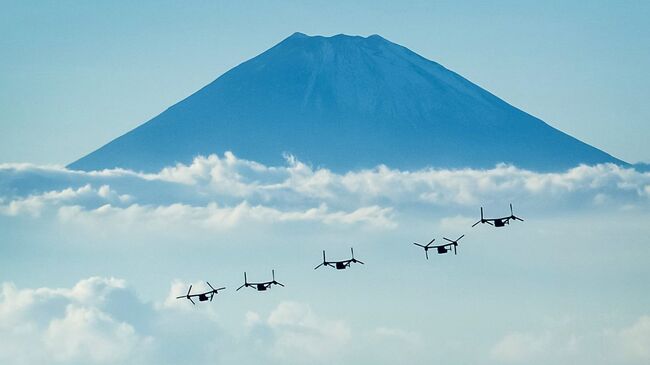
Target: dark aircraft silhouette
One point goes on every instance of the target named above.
(444, 248)
(339, 265)
(202, 296)
(498, 222)
(426, 247)
(260, 286)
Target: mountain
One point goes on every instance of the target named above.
(345, 102)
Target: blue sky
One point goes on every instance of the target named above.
(91, 262)
(74, 76)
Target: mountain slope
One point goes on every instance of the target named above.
(345, 102)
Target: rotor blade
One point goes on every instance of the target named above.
(282, 285)
(511, 213)
(189, 290)
(454, 249)
(245, 280)
(211, 296)
(191, 300)
(430, 242)
(352, 250)
(476, 223)
(445, 238)
(361, 262)
(517, 218)
(324, 256)
(481, 213)
(319, 265)
(490, 223)
(182, 296)
(458, 239)
(417, 244)
(426, 253)
(222, 288)
(210, 285)
(240, 287)
(273, 274)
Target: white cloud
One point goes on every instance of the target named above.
(215, 217)
(634, 341)
(252, 319)
(298, 333)
(391, 334)
(520, 348)
(35, 205)
(561, 343)
(66, 325)
(90, 335)
(213, 176)
(221, 192)
(89, 323)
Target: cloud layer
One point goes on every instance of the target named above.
(103, 321)
(222, 192)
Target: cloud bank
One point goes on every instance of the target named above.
(223, 192)
(102, 321)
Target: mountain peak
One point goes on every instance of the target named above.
(345, 102)
(298, 35)
(338, 37)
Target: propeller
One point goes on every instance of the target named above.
(481, 220)
(426, 248)
(215, 291)
(353, 259)
(456, 241)
(186, 295)
(513, 216)
(275, 282)
(321, 263)
(245, 282)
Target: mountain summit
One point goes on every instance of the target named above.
(345, 102)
